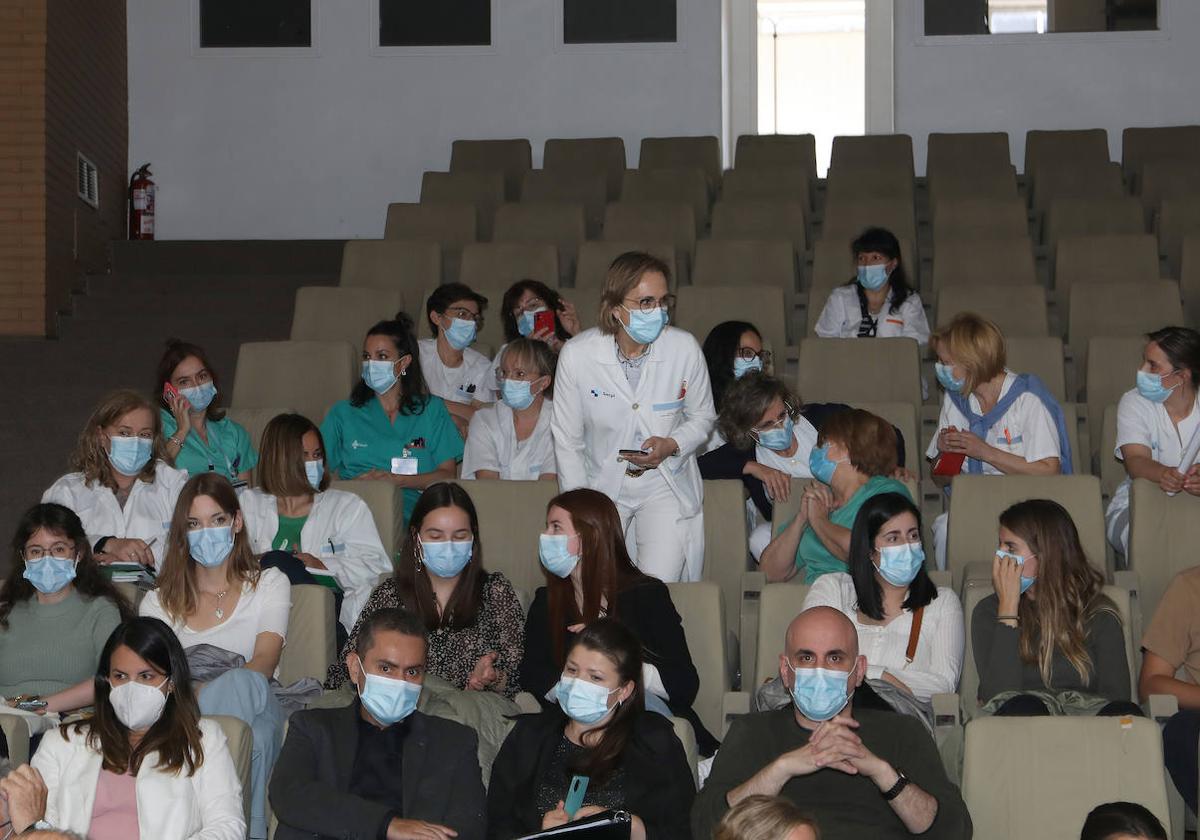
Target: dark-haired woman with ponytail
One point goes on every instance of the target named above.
(392, 428)
(600, 730)
(145, 764)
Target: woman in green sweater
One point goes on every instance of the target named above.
(57, 609)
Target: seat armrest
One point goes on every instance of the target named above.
(527, 703)
(1161, 707)
(733, 704)
(16, 731)
(947, 710)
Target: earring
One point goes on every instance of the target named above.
(418, 557)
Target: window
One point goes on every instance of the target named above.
(261, 23)
(619, 21)
(86, 179)
(435, 23)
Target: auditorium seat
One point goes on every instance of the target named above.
(590, 155)
(702, 612)
(752, 262)
(1189, 279)
(990, 184)
(1159, 180)
(763, 184)
(950, 153)
(500, 264)
(873, 151)
(851, 371)
(761, 219)
(658, 185)
(1077, 180)
(983, 261)
(1177, 217)
(979, 218)
(310, 376)
(1041, 356)
(1111, 370)
(407, 266)
(513, 158)
(1089, 216)
(1052, 149)
(1174, 143)
(1016, 310)
(703, 153)
(386, 503)
(561, 225)
(853, 184)
(1163, 534)
(569, 187)
(337, 313)
(777, 150)
(311, 642)
(655, 221)
(1110, 468)
(700, 308)
(1119, 309)
(1104, 258)
(240, 742)
(453, 225)
(483, 190)
(726, 553)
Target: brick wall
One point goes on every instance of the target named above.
(22, 167)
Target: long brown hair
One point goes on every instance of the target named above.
(604, 565)
(412, 583)
(1069, 590)
(175, 736)
(281, 456)
(619, 644)
(91, 457)
(176, 353)
(89, 581)
(177, 591)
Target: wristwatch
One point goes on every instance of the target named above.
(896, 789)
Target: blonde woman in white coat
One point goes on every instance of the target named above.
(145, 765)
(632, 407)
(303, 528)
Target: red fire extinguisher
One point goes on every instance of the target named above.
(141, 204)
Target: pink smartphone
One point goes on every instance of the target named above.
(169, 391)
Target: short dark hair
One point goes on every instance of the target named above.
(414, 393)
(391, 619)
(746, 400)
(883, 241)
(551, 298)
(448, 293)
(1116, 818)
(876, 511)
(1181, 346)
(720, 346)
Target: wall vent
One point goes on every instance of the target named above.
(86, 180)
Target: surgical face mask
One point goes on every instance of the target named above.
(555, 556)
(584, 702)
(899, 564)
(137, 705)
(315, 471)
(461, 333)
(388, 700)
(200, 396)
(645, 327)
(820, 465)
(945, 375)
(743, 366)
(872, 277)
(129, 455)
(379, 374)
(819, 693)
(1026, 582)
(50, 574)
(447, 558)
(1150, 386)
(211, 547)
(516, 393)
(525, 321)
(778, 438)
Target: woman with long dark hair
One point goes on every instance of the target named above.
(473, 616)
(145, 764)
(599, 729)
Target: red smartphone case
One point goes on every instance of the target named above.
(949, 463)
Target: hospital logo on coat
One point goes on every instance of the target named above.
(354, 444)
(595, 392)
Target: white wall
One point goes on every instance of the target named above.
(1019, 83)
(317, 145)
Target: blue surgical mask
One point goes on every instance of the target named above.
(448, 557)
(379, 374)
(555, 556)
(584, 702)
(200, 396)
(516, 393)
(872, 277)
(899, 564)
(820, 465)
(210, 547)
(129, 455)
(461, 333)
(525, 322)
(1026, 582)
(388, 700)
(778, 438)
(945, 375)
(645, 327)
(743, 366)
(1150, 386)
(315, 471)
(50, 574)
(819, 693)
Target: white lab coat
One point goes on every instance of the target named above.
(146, 515)
(596, 413)
(204, 806)
(492, 444)
(339, 531)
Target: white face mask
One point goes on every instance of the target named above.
(138, 705)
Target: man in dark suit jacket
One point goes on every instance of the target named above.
(377, 768)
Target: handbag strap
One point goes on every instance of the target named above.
(914, 634)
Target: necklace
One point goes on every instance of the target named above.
(219, 612)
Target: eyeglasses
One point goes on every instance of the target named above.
(532, 305)
(749, 354)
(59, 551)
(649, 304)
(775, 424)
(464, 314)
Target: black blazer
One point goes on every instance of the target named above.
(308, 791)
(647, 610)
(658, 783)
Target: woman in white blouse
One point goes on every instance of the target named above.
(212, 591)
(511, 439)
(878, 302)
(910, 631)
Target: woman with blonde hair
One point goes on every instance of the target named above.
(1048, 640)
(211, 591)
(632, 410)
(762, 817)
(122, 488)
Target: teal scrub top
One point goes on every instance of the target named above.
(228, 452)
(812, 556)
(361, 439)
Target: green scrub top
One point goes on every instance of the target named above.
(361, 439)
(812, 557)
(229, 450)
(287, 536)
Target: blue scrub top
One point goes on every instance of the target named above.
(229, 450)
(361, 439)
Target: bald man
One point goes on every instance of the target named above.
(862, 773)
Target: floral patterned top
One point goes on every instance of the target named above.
(499, 627)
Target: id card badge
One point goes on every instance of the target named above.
(575, 793)
(404, 466)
